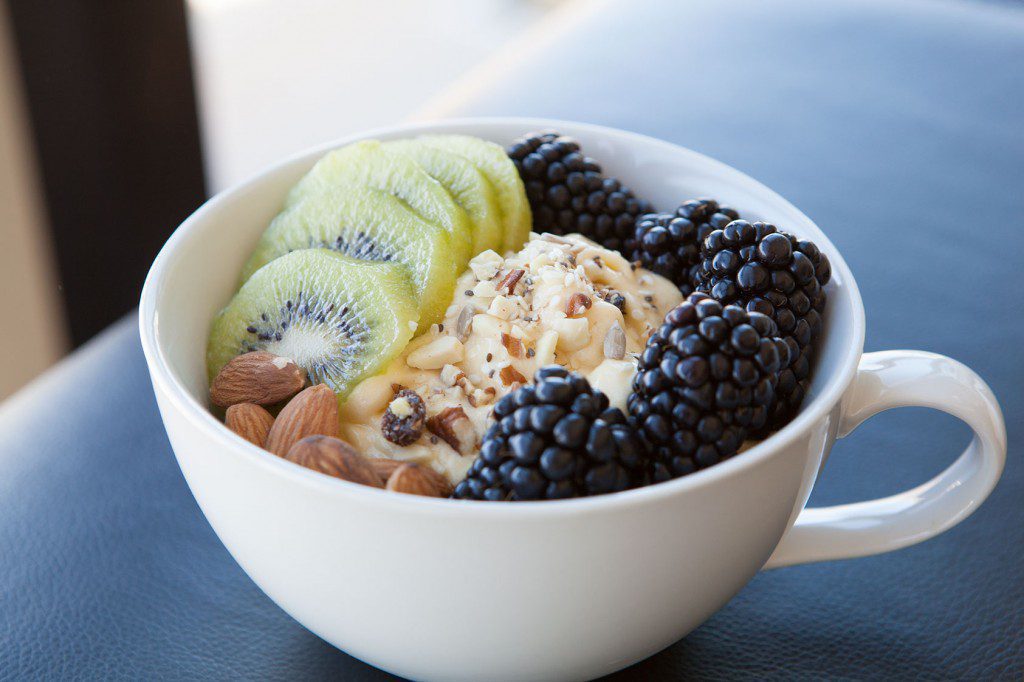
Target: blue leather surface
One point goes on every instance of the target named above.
(899, 129)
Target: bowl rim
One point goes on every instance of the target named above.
(165, 379)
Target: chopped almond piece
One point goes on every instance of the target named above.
(511, 279)
(577, 304)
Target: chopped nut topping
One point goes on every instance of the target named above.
(440, 351)
(442, 425)
(551, 302)
(510, 375)
(481, 396)
(485, 289)
(466, 382)
(501, 307)
(511, 279)
(577, 304)
(615, 343)
(513, 345)
(395, 388)
(450, 375)
(486, 265)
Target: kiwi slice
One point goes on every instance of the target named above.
(467, 185)
(372, 225)
(339, 318)
(368, 163)
(494, 163)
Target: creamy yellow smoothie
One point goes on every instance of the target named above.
(560, 299)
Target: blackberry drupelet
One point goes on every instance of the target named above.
(669, 243)
(707, 212)
(553, 440)
(568, 193)
(706, 381)
(756, 266)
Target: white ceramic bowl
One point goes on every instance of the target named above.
(447, 590)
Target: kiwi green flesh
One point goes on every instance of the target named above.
(468, 186)
(339, 318)
(367, 224)
(368, 163)
(494, 163)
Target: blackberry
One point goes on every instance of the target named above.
(669, 243)
(756, 266)
(568, 193)
(790, 392)
(555, 439)
(706, 381)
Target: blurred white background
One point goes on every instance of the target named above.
(274, 77)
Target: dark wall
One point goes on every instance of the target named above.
(110, 95)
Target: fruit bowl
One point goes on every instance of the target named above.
(439, 589)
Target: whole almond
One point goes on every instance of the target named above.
(334, 457)
(384, 467)
(414, 479)
(249, 421)
(313, 412)
(258, 377)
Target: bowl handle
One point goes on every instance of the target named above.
(904, 378)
